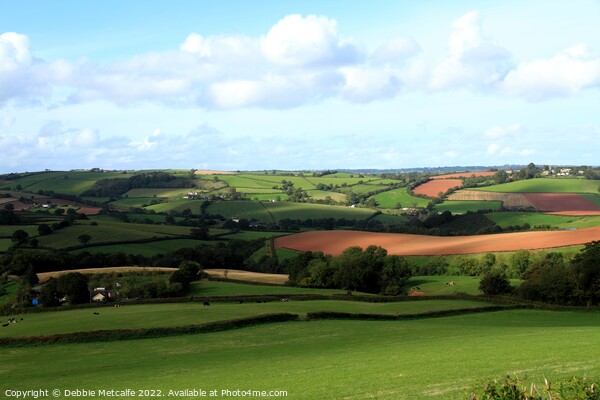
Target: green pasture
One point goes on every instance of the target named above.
(332, 180)
(134, 202)
(392, 198)
(437, 285)
(545, 185)
(109, 232)
(149, 249)
(438, 358)
(190, 313)
(506, 218)
(258, 191)
(5, 244)
(267, 196)
(594, 198)
(217, 288)
(8, 230)
(68, 182)
(303, 211)
(240, 209)
(167, 193)
(322, 194)
(388, 219)
(10, 289)
(252, 235)
(244, 181)
(463, 206)
(366, 188)
(177, 205)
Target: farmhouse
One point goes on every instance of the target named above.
(101, 295)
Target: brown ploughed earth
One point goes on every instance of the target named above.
(334, 242)
(565, 203)
(509, 200)
(434, 187)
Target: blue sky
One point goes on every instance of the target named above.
(298, 85)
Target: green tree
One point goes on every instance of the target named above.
(586, 273)
(44, 229)
(49, 295)
(494, 282)
(84, 238)
(186, 273)
(19, 237)
(75, 286)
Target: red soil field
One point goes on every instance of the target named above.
(509, 200)
(464, 175)
(434, 187)
(334, 242)
(565, 203)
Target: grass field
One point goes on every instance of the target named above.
(8, 230)
(436, 285)
(10, 288)
(322, 194)
(109, 232)
(545, 185)
(216, 288)
(139, 202)
(504, 219)
(392, 198)
(188, 313)
(439, 358)
(306, 210)
(149, 249)
(594, 198)
(462, 206)
(252, 235)
(68, 182)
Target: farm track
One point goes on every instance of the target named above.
(335, 242)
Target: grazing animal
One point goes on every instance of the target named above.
(206, 303)
(5, 325)
(96, 313)
(418, 288)
(240, 301)
(284, 299)
(259, 301)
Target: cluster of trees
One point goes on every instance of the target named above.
(557, 280)
(371, 270)
(118, 186)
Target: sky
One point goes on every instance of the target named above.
(297, 85)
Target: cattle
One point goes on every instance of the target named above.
(284, 299)
(96, 313)
(240, 301)
(418, 288)
(5, 325)
(206, 303)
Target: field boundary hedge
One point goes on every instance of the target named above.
(147, 333)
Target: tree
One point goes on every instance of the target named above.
(587, 274)
(44, 229)
(19, 237)
(186, 273)
(395, 274)
(75, 286)
(84, 239)
(494, 282)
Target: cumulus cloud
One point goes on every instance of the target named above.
(297, 41)
(568, 72)
(492, 149)
(299, 60)
(474, 59)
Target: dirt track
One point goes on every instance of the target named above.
(334, 242)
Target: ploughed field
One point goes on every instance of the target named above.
(334, 242)
(434, 187)
(464, 175)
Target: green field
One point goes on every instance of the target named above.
(8, 230)
(217, 288)
(594, 198)
(138, 202)
(252, 235)
(504, 219)
(149, 249)
(436, 285)
(439, 358)
(322, 194)
(392, 198)
(365, 188)
(10, 288)
(315, 211)
(167, 193)
(68, 182)
(240, 209)
(462, 206)
(545, 185)
(109, 232)
(188, 313)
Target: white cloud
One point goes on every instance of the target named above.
(498, 132)
(364, 84)
(474, 60)
(396, 49)
(492, 149)
(568, 72)
(451, 154)
(297, 41)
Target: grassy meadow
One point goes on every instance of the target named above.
(545, 185)
(392, 198)
(505, 219)
(438, 358)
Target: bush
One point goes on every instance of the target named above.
(494, 282)
(513, 388)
